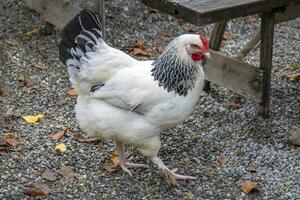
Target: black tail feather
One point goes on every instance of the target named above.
(81, 32)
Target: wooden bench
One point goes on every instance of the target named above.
(231, 72)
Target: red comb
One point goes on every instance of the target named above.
(204, 42)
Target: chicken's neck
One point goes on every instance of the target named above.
(173, 73)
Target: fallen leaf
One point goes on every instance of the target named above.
(205, 114)
(29, 33)
(227, 35)
(112, 165)
(160, 49)
(73, 93)
(59, 134)
(139, 43)
(48, 175)
(67, 172)
(284, 30)
(234, 104)
(251, 168)
(12, 140)
(295, 137)
(10, 42)
(189, 30)
(83, 138)
(141, 52)
(189, 195)
(293, 77)
(24, 82)
(37, 189)
(251, 19)
(38, 66)
(156, 41)
(181, 21)
(6, 122)
(124, 16)
(167, 34)
(33, 118)
(151, 10)
(249, 186)
(60, 148)
(223, 159)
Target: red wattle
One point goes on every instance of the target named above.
(197, 57)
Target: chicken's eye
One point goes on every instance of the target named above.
(195, 46)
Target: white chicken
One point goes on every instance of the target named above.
(131, 101)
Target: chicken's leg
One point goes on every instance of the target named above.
(169, 175)
(123, 163)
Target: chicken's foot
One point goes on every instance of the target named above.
(123, 163)
(169, 175)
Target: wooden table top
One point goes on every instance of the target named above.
(200, 12)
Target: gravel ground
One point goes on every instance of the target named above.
(194, 146)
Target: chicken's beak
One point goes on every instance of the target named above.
(207, 55)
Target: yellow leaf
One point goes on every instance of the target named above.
(114, 157)
(34, 30)
(249, 186)
(60, 148)
(32, 118)
(73, 92)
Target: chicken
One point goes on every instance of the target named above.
(131, 101)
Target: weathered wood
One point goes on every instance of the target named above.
(60, 12)
(267, 33)
(235, 75)
(215, 43)
(248, 47)
(100, 4)
(201, 12)
(289, 13)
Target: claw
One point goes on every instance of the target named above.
(125, 165)
(171, 177)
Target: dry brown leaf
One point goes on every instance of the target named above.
(29, 33)
(139, 43)
(12, 140)
(59, 134)
(189, 30)
(167, 34)
(156, 41)
(227, 35)
(150, 10)
(251, 19)
(24, 82)
(234, 104)
(112, 165)
(205, 114)
(38, 66)
(37, 189)
(73, 93)
(293, 77)
(249, 186)
(284, 30)
(83, 138)
(124, 16)
(48, 175)
(66, 172)
(160, 49)
(223, 159)
(6, 122)
(181, 21)
(141, 52)
(10, 42)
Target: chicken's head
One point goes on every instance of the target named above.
(192, 47)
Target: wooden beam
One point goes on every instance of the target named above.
(267, 34)
(215, 43)
(289, 13)
(56, 12)
(249, 46)
(100, 4)
(234, 74)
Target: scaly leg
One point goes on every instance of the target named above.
(123, 163)
(169, 175)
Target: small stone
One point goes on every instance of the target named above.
(295, 138)
(251, 168)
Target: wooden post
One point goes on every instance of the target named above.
(267, 34)
(215, 43)
(249, 46)
(100, 4)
